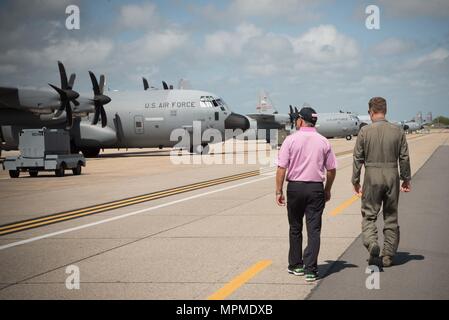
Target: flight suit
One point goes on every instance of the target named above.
(380, 147)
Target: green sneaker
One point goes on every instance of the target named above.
(298, 271)
(311, 277)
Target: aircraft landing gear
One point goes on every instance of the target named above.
(14, 173)
(202, 149)
(91, 152)
(349, 137)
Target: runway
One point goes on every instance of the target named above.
(227, 240)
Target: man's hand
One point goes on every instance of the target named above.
(280, 199)
(406, 186)
(358, 189)
(327, 195)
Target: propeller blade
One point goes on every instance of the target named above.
(63, 75)
(296, 110)
(104, 119)
(61, 92)
(291, 110)
(69, 116)
(102, 80)
(96, 115)
(72, 81)
(95, 86)
(165, 85)
(146, 86)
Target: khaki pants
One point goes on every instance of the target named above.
(381, 189)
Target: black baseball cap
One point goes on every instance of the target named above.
(308, 114)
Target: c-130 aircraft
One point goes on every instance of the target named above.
(138, 119)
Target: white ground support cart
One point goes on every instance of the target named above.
(44, 150)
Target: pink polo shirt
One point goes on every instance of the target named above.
(306, 155)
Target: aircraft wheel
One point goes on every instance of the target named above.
(33, 173)
(14, 173)
(77, 171)
(60, 172)
(349, 137)
(200, 149)
(91, 152)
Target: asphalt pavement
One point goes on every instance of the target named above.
(423, 256)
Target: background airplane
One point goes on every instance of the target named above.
(330, 125)
(409, 126)
(140, 119)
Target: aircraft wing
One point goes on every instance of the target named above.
(269, 120)
(262, 117)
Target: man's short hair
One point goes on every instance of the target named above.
(378, 105)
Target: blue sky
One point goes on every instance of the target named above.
(319, 52)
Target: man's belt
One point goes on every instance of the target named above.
(381, 165)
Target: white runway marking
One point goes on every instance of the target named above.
(126, 215)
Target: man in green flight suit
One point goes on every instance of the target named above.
(380, 147)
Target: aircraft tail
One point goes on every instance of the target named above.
(265, 104)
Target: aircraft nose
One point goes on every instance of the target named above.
(237, 121)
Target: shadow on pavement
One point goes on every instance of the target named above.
(403, 257)
(332, 267)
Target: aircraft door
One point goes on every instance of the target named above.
(139, 125)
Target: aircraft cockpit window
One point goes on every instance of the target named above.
(223, 104)
(215, 103)
(207, 102)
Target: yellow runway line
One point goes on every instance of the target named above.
(344, 205)
(240, 280)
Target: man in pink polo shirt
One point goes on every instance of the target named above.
(308, 160)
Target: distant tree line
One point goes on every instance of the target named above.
(441, 120)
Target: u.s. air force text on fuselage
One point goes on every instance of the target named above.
(175, 104)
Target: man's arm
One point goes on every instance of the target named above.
(358, 161)
(280, 177)
(404, 164)
(330, 177)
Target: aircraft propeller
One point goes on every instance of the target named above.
(293, 116)
(66, 94)
(99, 99)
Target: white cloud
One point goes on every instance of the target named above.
(78, 53)
(138, 16)
(230, 43)
(435, 57)
(266, 54)
(154, 46)
(324, 45)
(291, 9)
(393, 46)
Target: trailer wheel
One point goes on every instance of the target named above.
(60, 171)
(77, 171)
(14, 173)
(33, 173)
(349, 137)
